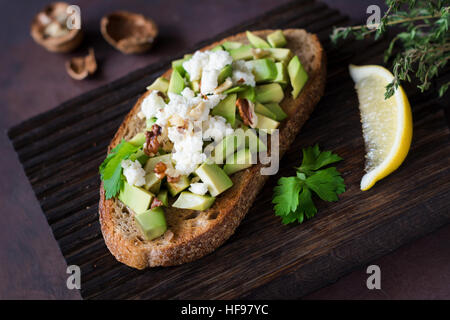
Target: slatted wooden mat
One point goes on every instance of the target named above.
(61, 150)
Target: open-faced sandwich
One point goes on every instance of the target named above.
(179, 177)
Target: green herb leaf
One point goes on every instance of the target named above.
(293, 195)
(111, 169)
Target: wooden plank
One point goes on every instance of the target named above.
(61, 150)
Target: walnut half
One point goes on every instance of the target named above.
(247, 112)
(151, 140)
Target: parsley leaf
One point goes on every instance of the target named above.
(111, 168)
(293, 195)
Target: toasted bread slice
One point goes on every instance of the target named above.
(193, 234)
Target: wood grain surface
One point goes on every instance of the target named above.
(60, 151)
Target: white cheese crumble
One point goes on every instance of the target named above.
(187, 150)
(152, 104)
(134, 172)
(216, 128)
(242, 73)
(206, 66)
(198, 188)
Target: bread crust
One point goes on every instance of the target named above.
(213, 227)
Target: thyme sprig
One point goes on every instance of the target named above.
(424, 40)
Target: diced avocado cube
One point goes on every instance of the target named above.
(226, 72)
(151, 163)
(214, 177)
(271, 92)
(195, 86)
(176, 187)
(152, 183)
(226, 108)
(189, 200)
(248, 93)
(163, 197)
(253, 142)
(242, 53)
(138, 139)
(265, 123)
(282, 77)
(231, 45)
(150, 122)
(281, 54)
(275, 108)
(297, 75)
(240, 161)
(235, 89)
(263, 69)
(137, 199)
(178, 64)
(152, 223)
(161, 84)
(256, 41)
(227, 147)
(139, 156)
(176, 83)
(217, 48)
(262, 109)
(276, 39)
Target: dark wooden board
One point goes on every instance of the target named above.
(61, 149)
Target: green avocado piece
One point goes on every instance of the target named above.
(275, 108)
(297, 75)
(263, 69)
(226, 72)
(242, 53)
(256, 41)
(241, 160)
(265, 123)
(137, 199)
(151, 163)
(253, 142)
(152, 223)
(138, 139)
(276, 39)
(163, 197)
(271, 92)
(139, 156)
(178, 64)
(176, 83)
(226, 108)
(152, 183)
(281, 54)
(150, 122)
(161, 84)
(282, 77)
(248, 93)
(189, 200)
(195, 86)
(176, 187)
(262, 109)
(214, 177)
(218, 48)
(236, 89)
(226, 147)
(231, 45)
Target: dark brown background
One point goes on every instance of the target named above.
(33, 80)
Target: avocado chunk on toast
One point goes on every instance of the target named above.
(192, 234)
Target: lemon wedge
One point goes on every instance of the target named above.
(387, 124)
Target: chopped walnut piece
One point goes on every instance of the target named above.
(160, 170)
(224, 86)
(247, 112)
(173, 179)
(259, 53)
(156, 203)
(151, 140)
